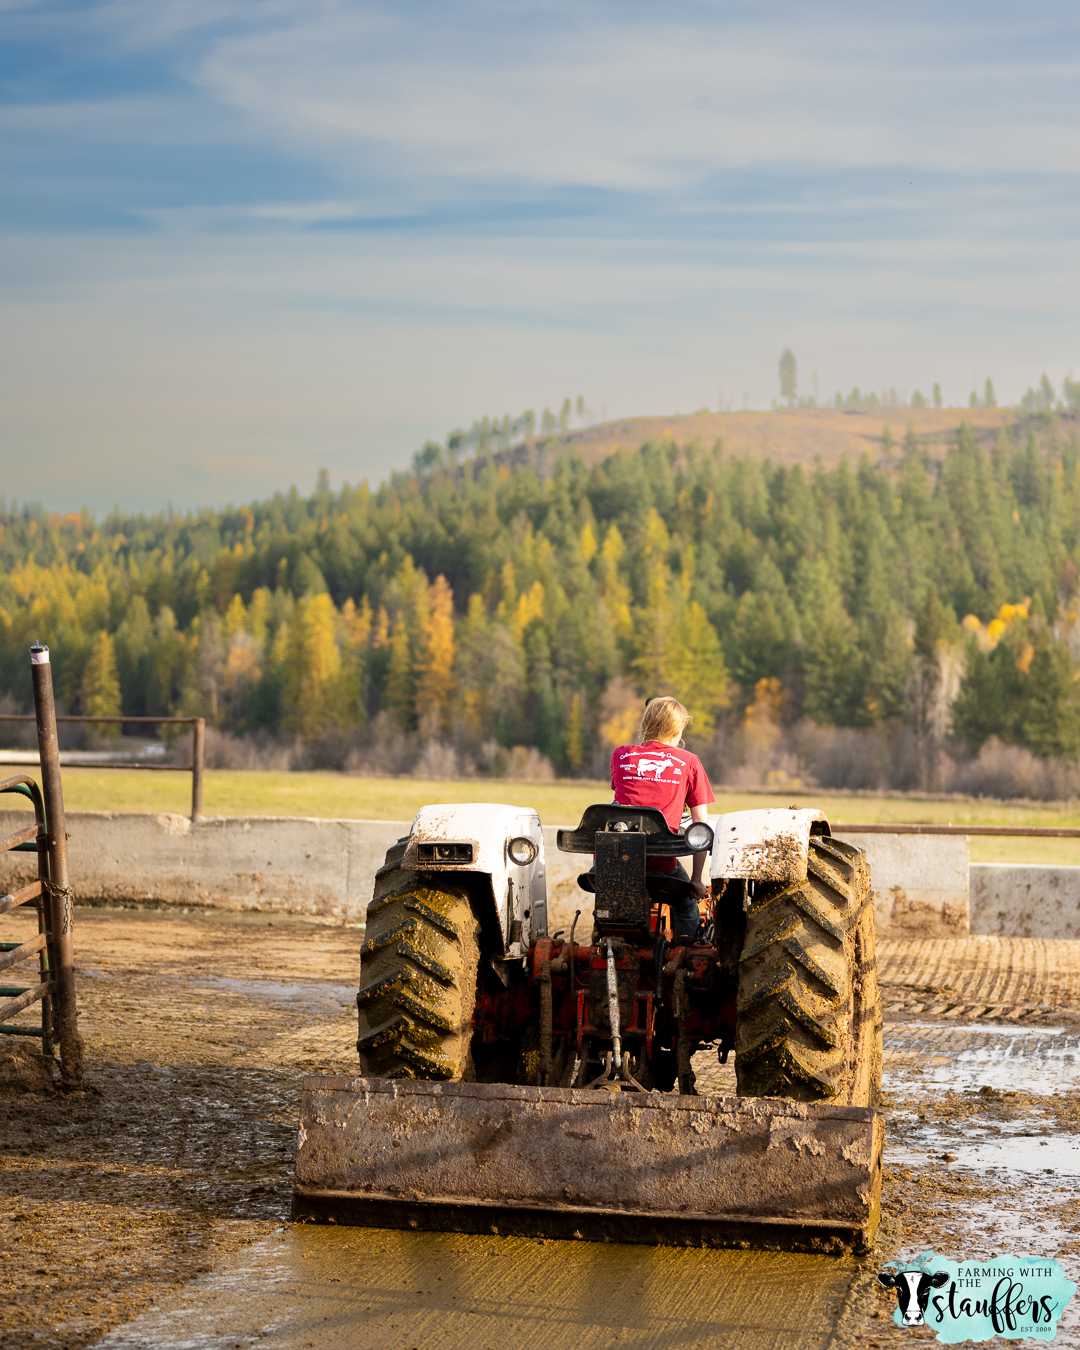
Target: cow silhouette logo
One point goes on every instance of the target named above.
(913, 1282)
(1017, 1297)
(653, 766)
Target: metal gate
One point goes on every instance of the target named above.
(50, 894)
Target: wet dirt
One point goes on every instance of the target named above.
(154, 1205)
(982, 1103)
(373, 1289)
(180, 1151)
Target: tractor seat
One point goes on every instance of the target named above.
(662, 887)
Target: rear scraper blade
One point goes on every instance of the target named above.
(604, 1166)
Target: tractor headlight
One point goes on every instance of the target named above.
(523, 851)
(699, 837)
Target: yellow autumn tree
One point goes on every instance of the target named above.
(434, 674)
(258, 617)
(695, 668)
(507, 591)
(398, 690)
(575, 740)
(312, 695)
(235, 616)
(99, 694)
(656, 541)
(355, 637)
(530, 606)
(677, 651)
(613, 584)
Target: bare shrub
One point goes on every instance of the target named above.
(380, 750)
(841, 757)
(484, 758)
(437, 760)
(23, 735)
(766, 755)
(1011, 771)
(525, 763)
(621, 707)
(258, 751)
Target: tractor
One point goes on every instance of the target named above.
(477, 1024)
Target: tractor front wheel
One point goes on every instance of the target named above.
(809, 1012)
(418, 969)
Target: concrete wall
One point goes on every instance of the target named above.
(286, 863)
(920, 884)
(325, 868)
(1018, 900)
(293, 864)
(919, 881)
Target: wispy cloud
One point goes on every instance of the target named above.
(274, 232)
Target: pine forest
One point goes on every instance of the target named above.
(907, 622)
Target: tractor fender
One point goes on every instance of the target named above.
(768, 845)
(517, 893)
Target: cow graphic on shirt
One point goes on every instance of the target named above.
(656, 767)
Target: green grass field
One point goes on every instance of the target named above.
(330, 795)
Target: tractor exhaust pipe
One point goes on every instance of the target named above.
(613, 1007)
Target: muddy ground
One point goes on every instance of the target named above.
(199, 1028)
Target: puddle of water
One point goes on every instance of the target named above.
(997, 1230)
(986, 1028)
(1009, 1149)
(375, 1289)
(293, 992)
(1009, 1156)
(1041, 1060)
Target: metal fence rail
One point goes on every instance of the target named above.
(1014, 831)
(51, 894)
(198, 748)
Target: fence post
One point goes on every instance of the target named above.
(198, 744)
(59, 907)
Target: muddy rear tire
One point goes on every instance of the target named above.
(418, 969)
(809, 1012)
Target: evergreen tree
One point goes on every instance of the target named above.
(134, 648)
(761, 639)
(787, 376)
(1048, 720)
(842, 584)
(651, 662)
(984, 706)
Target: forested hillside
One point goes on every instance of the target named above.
(476, 617)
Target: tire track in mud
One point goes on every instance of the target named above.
(199, 1028)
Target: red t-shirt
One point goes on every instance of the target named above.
(659, 775)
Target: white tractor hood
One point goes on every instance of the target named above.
(770, 845)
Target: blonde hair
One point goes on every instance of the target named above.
(664, 719)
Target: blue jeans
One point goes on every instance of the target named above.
(685, 915)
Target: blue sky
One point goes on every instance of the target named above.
(241, 240)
